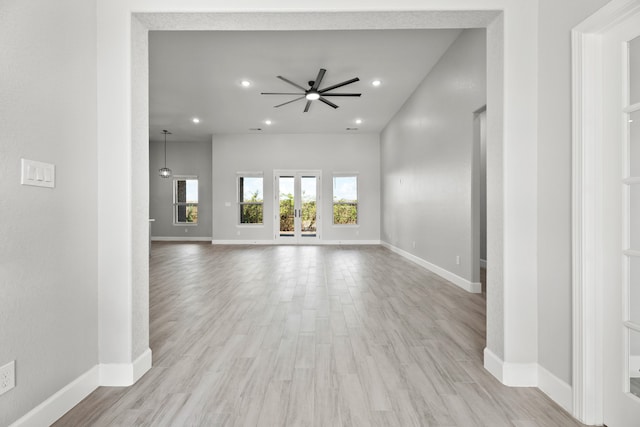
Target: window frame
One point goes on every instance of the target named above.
(357, 203)
(240, 203)
(177, 204)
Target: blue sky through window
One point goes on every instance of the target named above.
(192, 191)
(250, 186)
(345, 188)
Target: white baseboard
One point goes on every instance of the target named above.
(349, 242)
(530, 375)
(125, 374)
(61, 402)
(559, 391)
(634, 366)
(179, 239)
(511, 374)
(276, 242)
(473, 287)
(242, 242)
(483, 263)
(493, 364)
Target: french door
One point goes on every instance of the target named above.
(621, 214)
(297, 206)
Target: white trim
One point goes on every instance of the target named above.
(349, 242)
(179, 239)
(62, 401)
(242, 242)
(558, 390)
(483, 263)
(511, 374)
(473, 287)
(520, 374)
(493, 364)
(125, 374)
(587, 65)
(276, 242)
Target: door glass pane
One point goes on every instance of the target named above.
(308, 188)
(634, 217)
(634, 289)
(634, 70)
(634, 144)
(634, 362)
(287, 219)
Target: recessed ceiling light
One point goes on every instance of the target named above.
(358, 121)
(267, 122)
(195, 120)
(376, 82)
(245, 83)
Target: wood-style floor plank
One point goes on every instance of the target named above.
(311, 336)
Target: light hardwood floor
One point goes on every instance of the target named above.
(311, 336)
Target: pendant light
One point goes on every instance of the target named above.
(165, 172)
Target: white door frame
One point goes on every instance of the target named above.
(587, 216)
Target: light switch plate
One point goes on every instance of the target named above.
(38, 174)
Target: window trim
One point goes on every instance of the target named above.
(175, 204)
(240, 203)
(356, 175)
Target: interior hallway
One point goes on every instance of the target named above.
(311, 335)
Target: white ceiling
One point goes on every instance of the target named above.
(198, 74)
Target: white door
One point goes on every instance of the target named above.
(297, 206)
(621, 215)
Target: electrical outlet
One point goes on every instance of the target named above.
(7, 377)
(458, 259)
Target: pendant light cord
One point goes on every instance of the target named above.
(165, 148)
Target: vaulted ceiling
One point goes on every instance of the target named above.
(199, 74)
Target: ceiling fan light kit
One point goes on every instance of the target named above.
(314, 93)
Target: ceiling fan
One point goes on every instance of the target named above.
(314, 92)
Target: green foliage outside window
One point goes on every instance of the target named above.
(345, 212)
(345, 200)
(309, 211)
(251, 211)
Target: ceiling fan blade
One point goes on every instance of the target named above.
(318, 79)
(306, 108)
(341, 94)
(288, 102)
(348, 82)
(280, 93)
(329, 103)
(292, 83)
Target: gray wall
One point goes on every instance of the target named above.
(48, 237)
(554, 181)
(329, 153)
(183, 158)
(427, 156)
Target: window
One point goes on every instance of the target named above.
(185, 200)
(345, 200)
(251, 199)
